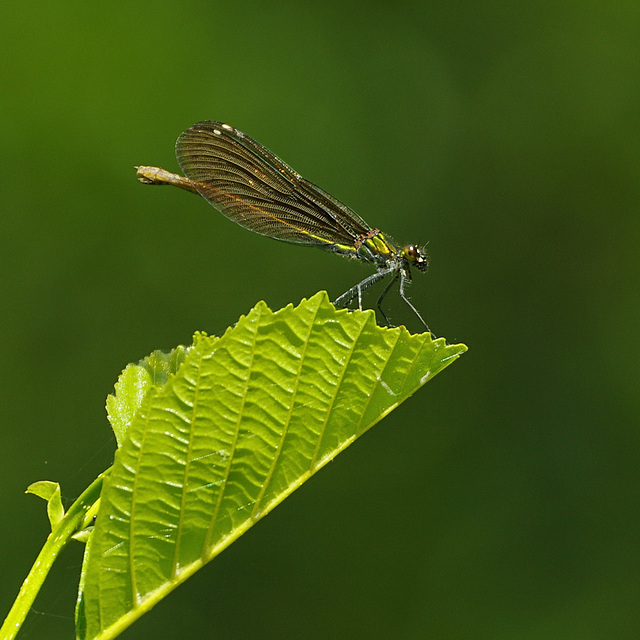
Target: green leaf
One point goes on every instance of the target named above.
(243, 422)
(133, 384)
(49, 491)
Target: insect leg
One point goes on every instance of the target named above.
(404, 276)
(382, 296)
(356, 291)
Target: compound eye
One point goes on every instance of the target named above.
(415, 257)
(411, 253)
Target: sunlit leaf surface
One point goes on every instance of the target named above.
(243, 422)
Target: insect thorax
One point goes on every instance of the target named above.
(375, 247)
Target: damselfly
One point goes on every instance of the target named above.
(251, 186)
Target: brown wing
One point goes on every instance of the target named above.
(251, 186)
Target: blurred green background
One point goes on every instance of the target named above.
(501, 501)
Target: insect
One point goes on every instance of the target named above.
(252, 186)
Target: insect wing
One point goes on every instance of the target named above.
(251, 186)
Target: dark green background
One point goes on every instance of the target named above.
(501, 501)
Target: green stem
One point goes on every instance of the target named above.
(71, 523)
